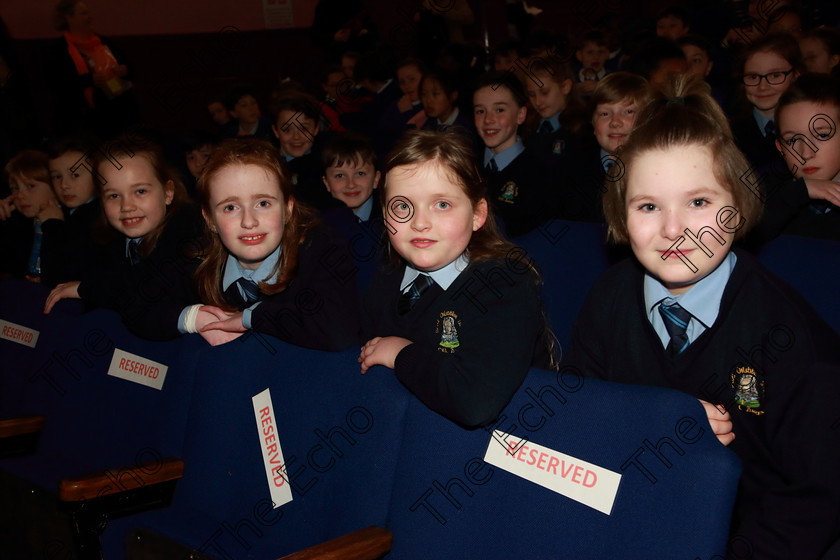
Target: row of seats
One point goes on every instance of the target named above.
(360, 450)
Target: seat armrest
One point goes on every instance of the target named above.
(94, 485)
(365, 544)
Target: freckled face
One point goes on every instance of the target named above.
(430, 218)
(668, 191)
(248, 212)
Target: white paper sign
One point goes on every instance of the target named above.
(138, 369)
(18, 333)
(278, 486)
(583, 482)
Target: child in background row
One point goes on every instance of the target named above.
(463, 356)
(439, 95)
(69, 248)
(144, 202)
(270, 266)
(617, 99)
(396, 116)
(808, 114)
(768, 67)
(592, 56)
(820, 50)
(351, 177)
(29, 180)
(297, 125)
(197, 148)
(241, 103)
(711, 321)
(520, 187)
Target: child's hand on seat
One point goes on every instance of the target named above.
(217, 326)
(720, 422)
(381, 351)
(62, 291)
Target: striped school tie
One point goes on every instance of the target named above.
(134, 252)
(250, 289)
(491, 166)
(412, 295)
(676, 322)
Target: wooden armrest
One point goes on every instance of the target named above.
(102, 483)
(365, 544)
(11, 427)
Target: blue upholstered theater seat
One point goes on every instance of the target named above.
(570, 256)
(21, 305)
(95, 420)
(674, 499)
(339, 433)
(812, 266)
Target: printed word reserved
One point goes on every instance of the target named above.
(574, 478)
(18, 333)
(137, 369)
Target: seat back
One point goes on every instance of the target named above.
(570, 257)
(674, 498)
(95, 420)
(812, 266)
(338, 431)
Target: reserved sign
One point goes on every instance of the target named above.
(18, 333)
(278, 487)
(138, 369)
(583, 482)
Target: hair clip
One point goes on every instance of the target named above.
(675, 101)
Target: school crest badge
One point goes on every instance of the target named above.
(447, 327)
(749, 389)
(558, 147)
(509, 192)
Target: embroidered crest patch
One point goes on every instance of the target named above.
(447, 327)
(559, 147)
(509, 192)
(749, 389)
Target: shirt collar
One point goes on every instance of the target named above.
(503, 159)
(363, 211)
(761, 121)
(386, 84)
(601, 73)
(444, 277)
(451, 118)
(702, 300)
(234, 271)
(607, 159)
(554, 121)
(88, 201)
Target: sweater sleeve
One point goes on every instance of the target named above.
(320, 308)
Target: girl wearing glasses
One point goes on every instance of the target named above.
(767, 68)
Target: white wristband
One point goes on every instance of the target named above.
(190, 317)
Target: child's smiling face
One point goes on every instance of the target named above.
(669, 191)
(430, 218)
(497, 117)
(809, 139)
(613, 122)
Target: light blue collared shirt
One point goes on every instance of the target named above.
(607, 159)
(702, 300)
(553, 121)
(761, 120)
(233, 272)
(443, 277)
(363, 211)
(503, 159)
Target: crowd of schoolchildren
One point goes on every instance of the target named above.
(444, 161)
